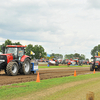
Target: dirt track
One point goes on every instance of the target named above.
(44, 74)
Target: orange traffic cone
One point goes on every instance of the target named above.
(38, 78)
(94, 71)
(75, 73)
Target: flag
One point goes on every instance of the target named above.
(98, 53)
(48, 55)
(32, 53)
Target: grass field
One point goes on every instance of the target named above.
(65, 88)
(61, 66)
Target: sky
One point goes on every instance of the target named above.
(60, 26)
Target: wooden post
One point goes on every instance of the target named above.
(90, 96)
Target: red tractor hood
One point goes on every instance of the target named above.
(9, 57)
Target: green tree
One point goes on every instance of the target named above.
(52, 55)
(8, 42)
(57, 56)
(29, 48)
(68, 56)
(0, 48)
(87, 59)
(75, 56)
(39, 51)
(16, 43)
(95, 50)
(82, 57)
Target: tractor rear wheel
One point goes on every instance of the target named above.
(26, 67)
(91, 68)
(12, 68)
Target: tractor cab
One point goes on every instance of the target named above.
(17, 51)
(96, 63)
(97, 60)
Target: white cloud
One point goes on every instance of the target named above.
(72, 25)
(94, 4)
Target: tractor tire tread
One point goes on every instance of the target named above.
(91, 68)
(9, 67)
(23, 68)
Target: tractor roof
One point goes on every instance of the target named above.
(97, 56)
(15, 46)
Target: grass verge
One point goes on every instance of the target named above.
(77, 91)
(18, 90)
(63, 66)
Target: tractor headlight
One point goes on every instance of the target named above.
(2, 60)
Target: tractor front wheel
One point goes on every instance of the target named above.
(26, 66)
(12, 68)
(91, 68)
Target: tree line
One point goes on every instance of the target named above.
(40, 51)
(75, 56)
(95, 50)
(37, 49)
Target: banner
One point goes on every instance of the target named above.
(48, 55)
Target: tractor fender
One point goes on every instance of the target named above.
(9, 57)
(24, 57)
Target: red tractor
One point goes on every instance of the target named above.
(95, 64)
(15, 61)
